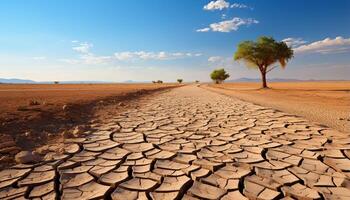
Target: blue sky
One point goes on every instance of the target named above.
(162, 39)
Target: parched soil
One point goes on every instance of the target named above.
(35, 114)
(325, 102)
(190, 143)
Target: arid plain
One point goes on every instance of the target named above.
(170, 142)
(325, 102)
(34, 114)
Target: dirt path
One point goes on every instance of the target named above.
(190, 143)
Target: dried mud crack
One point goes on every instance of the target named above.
(190, 143)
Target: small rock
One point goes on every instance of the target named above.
(25, 157)
(121, 104)
(65, 107)
(341, 118)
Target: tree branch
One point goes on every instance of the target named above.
(271, 69)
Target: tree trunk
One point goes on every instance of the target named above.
(263, 78)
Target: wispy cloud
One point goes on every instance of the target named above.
(294, 42)
(222, 4)
(213, 59)
(203, 29)
(83, 48)
(145, 55)
(217, 5)
(239, 5)
(326, 46)
(85, 56)
(229, 25)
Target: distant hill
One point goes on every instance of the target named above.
(21, 81)
(15, 80)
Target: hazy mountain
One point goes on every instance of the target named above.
(132, 81)
(15, 80)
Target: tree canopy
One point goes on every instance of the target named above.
(179, 80)
(263, 53)
(219, 75)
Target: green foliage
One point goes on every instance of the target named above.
(263, 53)
(179, 80)
(219, 75)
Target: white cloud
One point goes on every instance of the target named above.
(203, 30)
(144, 55)
(39, 58)
(230, 25)
(238, 5)
(326, 46)
(222, 4)
(214, 59)
(217, 5)
(83, 48)
(294, 42)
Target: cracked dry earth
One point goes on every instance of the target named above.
(190, 143)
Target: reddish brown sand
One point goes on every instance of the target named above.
(325, 102)
(17, 116)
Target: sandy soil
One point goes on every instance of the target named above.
(325, 102)
(60, 107)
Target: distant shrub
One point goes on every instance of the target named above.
(159, 81)
(219, 75)
(56, 82)
(179, 80)
(154, 81)
(197, 81)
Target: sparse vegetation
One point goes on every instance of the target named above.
(262, 54)
(154, 81)
(159, 81)
(219, 75)
(56, 82)
(196, 81)
(179, 80)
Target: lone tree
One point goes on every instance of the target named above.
(179, 80)
(219, 75)
(262, 54)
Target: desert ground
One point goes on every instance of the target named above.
(187, 143)
(324, 102)
(35, 114)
